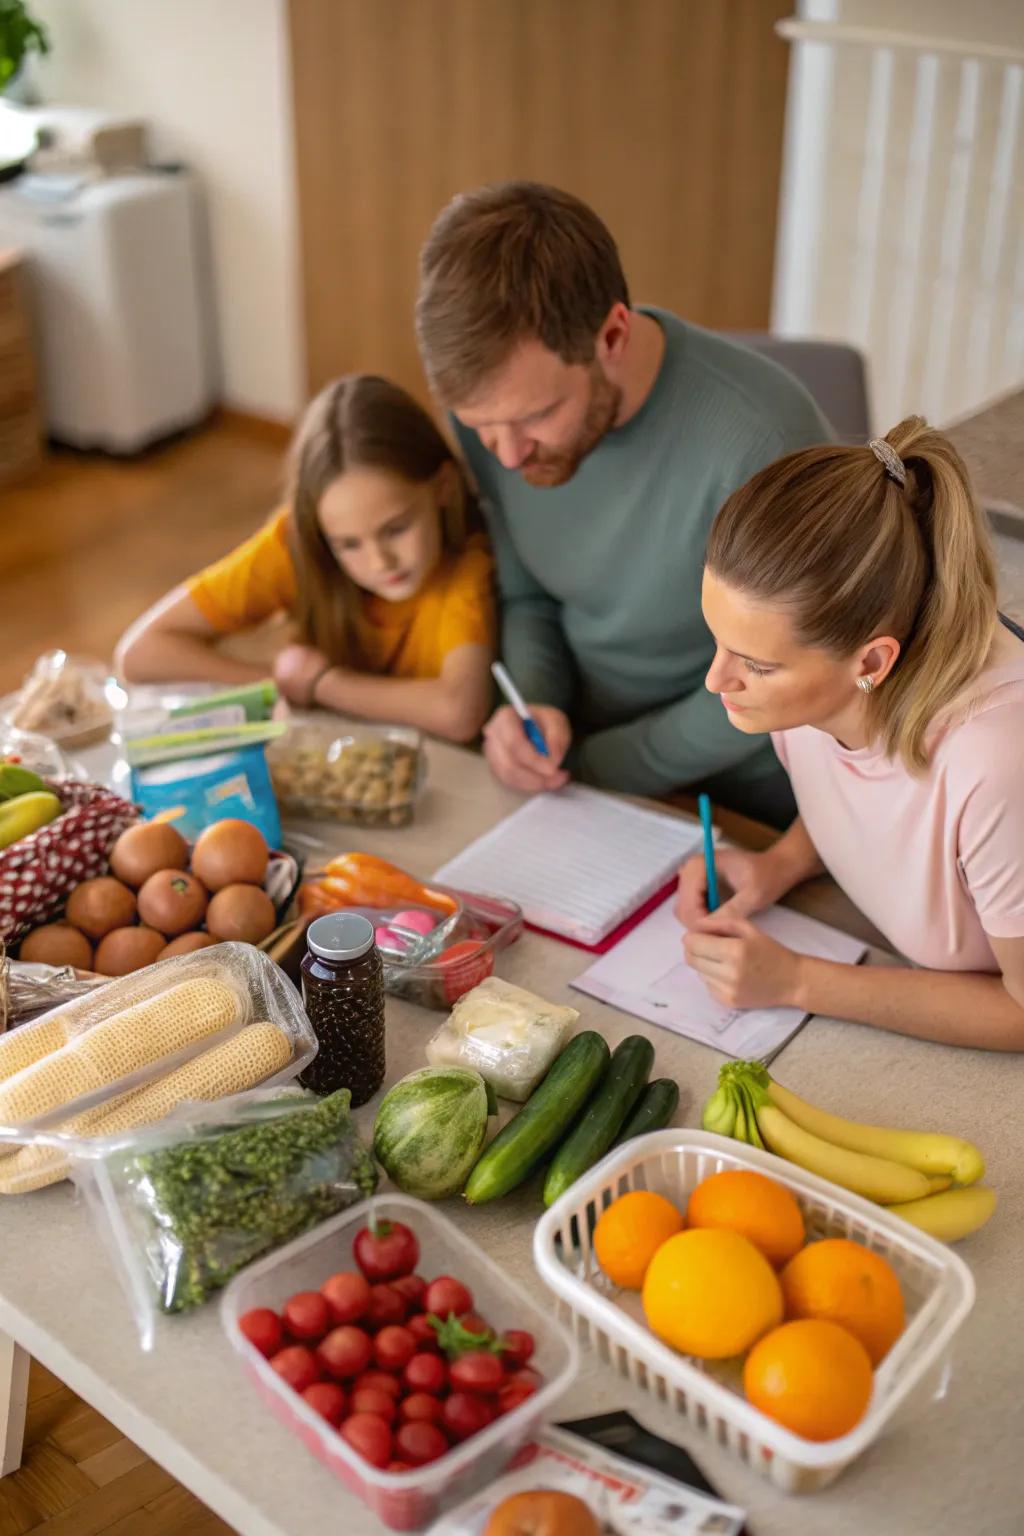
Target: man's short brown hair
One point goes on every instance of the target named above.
(509, 262)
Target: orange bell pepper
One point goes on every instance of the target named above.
(363, 880)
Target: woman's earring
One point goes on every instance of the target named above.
(866, 684)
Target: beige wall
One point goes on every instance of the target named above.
(211, 77)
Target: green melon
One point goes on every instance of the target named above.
(430, 1129)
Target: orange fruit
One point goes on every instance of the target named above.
(810, 1376)
(711, 1294)
(543, 1512)
(842, 1282)
(753, 1204)
(629, 1233)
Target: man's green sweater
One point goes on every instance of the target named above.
(600, 578)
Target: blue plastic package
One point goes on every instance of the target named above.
(202, 790)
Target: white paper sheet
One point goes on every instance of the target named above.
(647, 975)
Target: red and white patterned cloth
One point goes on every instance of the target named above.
(38, 872)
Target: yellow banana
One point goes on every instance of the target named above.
(937, 1185)
(928, 1151)
(952, 1215)
(874, 1177)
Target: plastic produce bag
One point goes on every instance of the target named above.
(508, 1035)
(187, 1204)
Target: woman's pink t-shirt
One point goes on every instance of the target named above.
(936, 861)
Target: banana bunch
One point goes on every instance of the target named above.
(920, 1175)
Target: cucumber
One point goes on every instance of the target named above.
(602, 1120)
(654, 1110)
(542, 1121)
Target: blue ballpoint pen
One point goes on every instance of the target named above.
(704, 805)
(515, 698)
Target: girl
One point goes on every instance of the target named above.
(375, 562)
(852, 596)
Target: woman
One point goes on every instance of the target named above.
(852, 596)
(374, 560)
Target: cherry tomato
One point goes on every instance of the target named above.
(466, 1414)
(399, 1466)
(511, 1397)
(425, 1373)
(517, 1347)
(370, 1436)
(421, 1406)
(474, 1323)
(372, 1400)
(423, 1331)
(464, 968)
(445, 1295)
(393, 1348)
(345, 1351)
(386, 1306)
(306, 1315)
(327, 1399)
(347, 1295)
(378, 1381)
(420, 1442)
(263, 1329)
(386, 1251)
(413, 1288)
(479, 1371)
(526, 1377)
(297, 1366)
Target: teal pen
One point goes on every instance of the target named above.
(515, 698)
(704, 805)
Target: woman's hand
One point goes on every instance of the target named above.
(755, 880)
(296, 670)
(741, 966)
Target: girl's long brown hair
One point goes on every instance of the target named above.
(365, 421)
(830, 535)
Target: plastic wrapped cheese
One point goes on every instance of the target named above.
(508, 1035)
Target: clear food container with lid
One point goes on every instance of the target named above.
(365, 777)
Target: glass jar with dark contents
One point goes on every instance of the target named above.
(343, 994)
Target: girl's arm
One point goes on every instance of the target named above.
(173, 642)
(454, 705)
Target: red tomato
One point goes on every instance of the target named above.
(423, 1331)
(474, 1323)
(327, 1399)
(413, 1288)
(348, 1296)
(511, 1397)
(517, 1347)
(386, 1306)
(263, 1329)
(297, 1366)
(425, 1373)
(386, 1251)
(345, 1351)
(421, 1407)
(399, 1466)
(464, 968)
(378, 1381)
(527, 1377)
(306, 1315)
(466, 1414)
(370, 1436)
(445, 1295)
(372, 1400)
(393, 1348)
(479, 1371)
(419, 1443)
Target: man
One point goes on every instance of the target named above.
(603, 438)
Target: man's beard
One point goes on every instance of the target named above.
(548, 467)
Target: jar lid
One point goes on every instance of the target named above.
(340, 936)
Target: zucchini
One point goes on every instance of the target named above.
(542, 1121)
(654, 1110)
(602, 1120)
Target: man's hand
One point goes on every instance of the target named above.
(515, 761)
(296, 669)
(741, 966)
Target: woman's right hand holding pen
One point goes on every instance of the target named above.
(755, 880)
(515, 761)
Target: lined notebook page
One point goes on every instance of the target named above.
(577, 861)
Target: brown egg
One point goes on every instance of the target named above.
(128, 949)
(172, 901)
(242, 912)
(145, 848)
(187, 943)
(57, 944)
(230, 853)
(99, 906)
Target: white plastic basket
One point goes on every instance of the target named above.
(938, 1292)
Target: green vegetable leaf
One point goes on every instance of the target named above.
(456, 1340)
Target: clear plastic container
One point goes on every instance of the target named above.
(366, 777)
(456, 956)
(405, 1501)
(938, 1292)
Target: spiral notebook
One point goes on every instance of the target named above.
(580, 863)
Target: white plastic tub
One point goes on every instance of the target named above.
(404, 1501)
(938, 1291)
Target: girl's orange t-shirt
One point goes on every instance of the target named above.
(454, 607)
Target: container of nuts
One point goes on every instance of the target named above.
(365, 777)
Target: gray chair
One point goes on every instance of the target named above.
(831, 371)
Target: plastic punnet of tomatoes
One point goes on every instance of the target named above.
(416, 1420)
